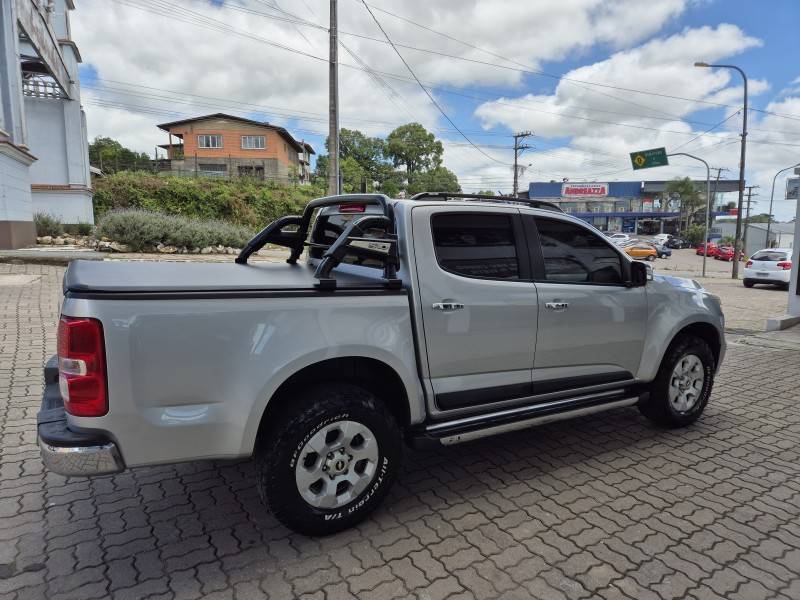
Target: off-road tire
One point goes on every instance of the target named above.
(282, 441)
(657, 407)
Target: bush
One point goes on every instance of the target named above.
(694, 234)
(79, 229)
(243, 201)
(142, 230)
(47, 225)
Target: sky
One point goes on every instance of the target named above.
(593, 80)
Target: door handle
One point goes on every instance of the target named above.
(557, 305)
(447, 306)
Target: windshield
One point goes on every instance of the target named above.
(769, 255)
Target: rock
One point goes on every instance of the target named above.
(59, 241)
(166, 249)
(46, 239)
(117, 247)
(69, 240)
(206, 250)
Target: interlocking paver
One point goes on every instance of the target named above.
(603, 507)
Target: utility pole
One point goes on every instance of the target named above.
(519, 149)
(746, 219)
(333, 102)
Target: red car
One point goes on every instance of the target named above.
(724, 253)
(712, 249)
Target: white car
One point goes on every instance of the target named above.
(773, 266)
(662, 238)
(618, 238)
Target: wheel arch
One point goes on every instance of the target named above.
(706, 332)
(371, 373)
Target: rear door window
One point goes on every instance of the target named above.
(573, 254)
(480, 245)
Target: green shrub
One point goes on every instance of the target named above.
(47, 225)
(242, 201)
(79, 228)
(143, 230)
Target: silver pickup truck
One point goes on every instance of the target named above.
(432, 320)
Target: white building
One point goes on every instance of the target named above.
(44, 154)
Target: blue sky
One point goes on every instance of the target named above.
(583, 131)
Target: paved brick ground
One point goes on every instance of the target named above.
(594, 508)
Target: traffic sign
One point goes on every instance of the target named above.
(793, 188)
(646, 159)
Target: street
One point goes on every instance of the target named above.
(589, 508)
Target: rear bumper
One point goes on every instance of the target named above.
(68, 452)
(770, 277)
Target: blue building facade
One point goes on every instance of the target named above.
(639, 207)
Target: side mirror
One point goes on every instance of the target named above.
(640, 273)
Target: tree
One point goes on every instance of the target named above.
(760, 218)
(110, 156)
(439, 179)
(414, 147)
(690, 199)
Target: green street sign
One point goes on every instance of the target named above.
(646, 159)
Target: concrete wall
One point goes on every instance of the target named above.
(69, 206)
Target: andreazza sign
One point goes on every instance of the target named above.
(584, 190)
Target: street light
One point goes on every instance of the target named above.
(708, 202)
(772, 196)
(735, 271)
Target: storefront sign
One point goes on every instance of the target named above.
(584, 190)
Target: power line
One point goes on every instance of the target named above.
(432, 99)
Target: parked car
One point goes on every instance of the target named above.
(773, 266)
(619, 238)
(435, 322)
(663, 251)
(677, 243)
(642, 251)
(710, 249)
(662, 238)
(725, 253)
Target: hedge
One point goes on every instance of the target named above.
(243, 201)
(142, 230)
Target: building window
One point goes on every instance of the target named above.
(476, 245)
(209, 141)
(251, 171)
(253, 142)
(213, 170)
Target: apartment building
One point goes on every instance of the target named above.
(221, 145)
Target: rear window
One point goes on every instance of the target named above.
(769, 256)
(327, 228)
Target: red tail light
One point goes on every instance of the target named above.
(749, 263)
(785, 265)
(352, 208)
(82, 366)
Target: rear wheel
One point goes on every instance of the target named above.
(680, 391)
(651, 257)
(330, 460)
(747, 283)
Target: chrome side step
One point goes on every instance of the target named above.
(474, 427)
(541, 420)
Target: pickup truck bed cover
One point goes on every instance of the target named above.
(130, 277)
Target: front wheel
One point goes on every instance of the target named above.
(327, 463)
(681, 389)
